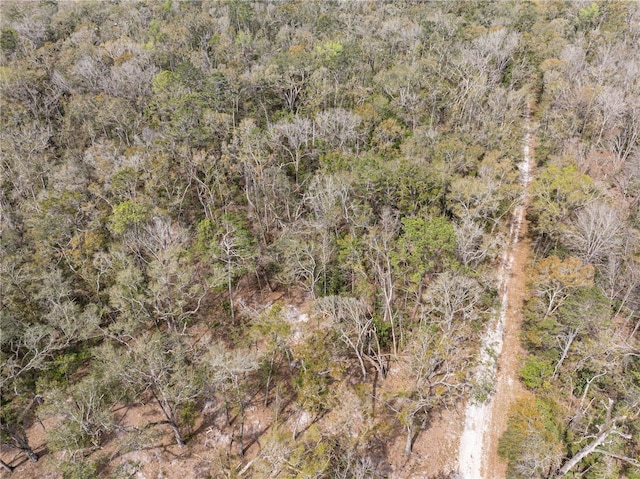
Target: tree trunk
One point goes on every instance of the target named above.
(227, 410)
(635, 329)
(266, 393)
(565, 351)
(363, 368)
(584, 452)
(176, 433)
(605, 430)
(6, 466)
(423, 282)
(241, 437)
(242, 414)
(22, 443)
(376, 357)
(294, 434)
(33, 456)
(409, 441)
(229, 286)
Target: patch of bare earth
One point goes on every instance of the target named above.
(24, 468)
(138, 451)
(435, 450)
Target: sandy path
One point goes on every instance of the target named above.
(507, 386)
(501, 351)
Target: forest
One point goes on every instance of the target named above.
(262, 239)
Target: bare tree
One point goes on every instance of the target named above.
(596, 231)
(24, 163)
(226, 371)
(473, 245)
(475, 198)
(555, 279)
(307, 255)
(235, 250)
(85, 408)
(174, 290)
(379, 254)
(453, 296)
(352, 317)
(329, 199)
(248, 148)
(624, 141)
(132, 71)
(160, 364)
(437, 367)
(491, 53)
(63, 323)
(293, 137)
(337, 127)
(611, 108)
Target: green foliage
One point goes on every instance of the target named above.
(530, 444)
(535, 372)
(62, 368)
(156, 34)
(589, 15)
(557, 193)
(482, 389)
(406, 185)
(315, 375)
(61, 214)
(329, 52)
(14, 413)
(187, 417)
(128, 214)
(79, 469)
(9, 40)
(205, 235)
(241, 14)
(425, 247)
(272, 324)
(383, 330)
(125, 183)
(388, 135)
(587, 309)
(165, 81)
(334, 161)
(312, 458)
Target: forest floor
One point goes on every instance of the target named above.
(152, 453)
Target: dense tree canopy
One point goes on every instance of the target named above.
(168, 166)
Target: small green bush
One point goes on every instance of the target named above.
(535, 372)
(81, 469)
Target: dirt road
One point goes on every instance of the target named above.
(485, 421)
